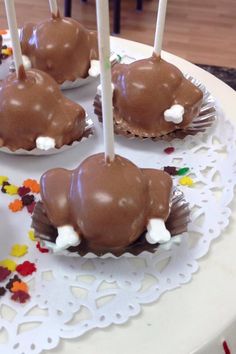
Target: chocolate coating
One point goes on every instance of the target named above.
(34, 106)
(144, 89)
(108, 204)
(60, 46)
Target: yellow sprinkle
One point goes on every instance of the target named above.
(11, 190)
(3, 179)
(7, 51)
(186, 181)
(31, 235)
(9, 264)
(19, 250)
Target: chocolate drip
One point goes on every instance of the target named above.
(21, 73)
(109, 205)
(60, 46)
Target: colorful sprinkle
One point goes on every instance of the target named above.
(172, 170)
(26, 268)
(4, 273)
(169, 150)
(31, 207)
(183, 171)
(3, 179)
(3, 32)
(226, 347)
(23, 191)
(20, 296)
(19, 250)
(19, 286)
(11, 189)
(31, 235)
(186, 181)
(32, 184)
(9, 264)
(16, 205)
(27, 199)
(4, 184)
(12, 281)
(2, 291)
(7, 51)
(41, 249)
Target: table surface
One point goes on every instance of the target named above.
(183, 320)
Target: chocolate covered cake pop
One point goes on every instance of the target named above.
(105, 207)
(34, 113)
(60, 46)
(151, 98)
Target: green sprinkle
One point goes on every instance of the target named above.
(119, 58)
(183, 171)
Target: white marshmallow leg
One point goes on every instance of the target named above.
(174, 114)
(157, 232)
(67, 237)
(45, 143)
(94, 69)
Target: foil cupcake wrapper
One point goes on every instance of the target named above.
(177, 224)
(89, 131)
(207, 116)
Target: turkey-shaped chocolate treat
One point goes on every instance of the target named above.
(61, 47)
(34, 113)
(151, 98)
(106, 206)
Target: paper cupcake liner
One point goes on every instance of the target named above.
(177, 224)
(207, 116)
(89, 130)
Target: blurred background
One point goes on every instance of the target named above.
(203, 32)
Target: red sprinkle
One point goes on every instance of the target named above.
(226, 348)
(20, 296)
(41, 249)
(31, 207)
(23, 191)
(26, 268)
(4, 273)
(169, 150)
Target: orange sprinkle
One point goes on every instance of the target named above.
(32, 184)
(3, 32)
(16, 205)
(19, 286)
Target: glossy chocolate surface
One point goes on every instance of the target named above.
(32, 106)
(144, 89)
(108, 204)
(60, 46)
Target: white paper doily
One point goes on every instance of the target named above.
(70, 295)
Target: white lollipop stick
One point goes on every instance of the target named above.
(12, 24)
(105, 67)
(161, 16)
(53, 7)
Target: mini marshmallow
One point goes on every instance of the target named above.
(45, 143)
(174, 114)
(157, 232)
(94, 69)
(67, 237)
(26, 62)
